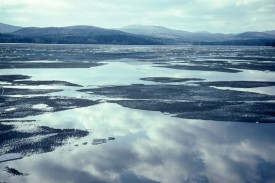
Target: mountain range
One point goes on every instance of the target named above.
(133, 35)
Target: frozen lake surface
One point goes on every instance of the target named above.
(102, 113)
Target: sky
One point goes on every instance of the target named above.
(225, 16)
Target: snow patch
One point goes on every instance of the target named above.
(42, 106)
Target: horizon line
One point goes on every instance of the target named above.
(149, 25)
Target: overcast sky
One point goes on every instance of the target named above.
(192, 15)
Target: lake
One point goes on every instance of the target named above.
(113, 113)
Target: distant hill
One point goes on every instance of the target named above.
(270, 32)
(255, 35)
(203, 37)
(76, 35)
(179, 35)
(71, 30)
(133, 35)
(156, 31)
(5, 28)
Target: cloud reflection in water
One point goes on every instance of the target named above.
(153, 147)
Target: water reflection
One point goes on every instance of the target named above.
(152, 147)
(113, 73)
(148, 146)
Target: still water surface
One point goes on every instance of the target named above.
(137, 145)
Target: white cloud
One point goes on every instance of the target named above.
(178, 14)
(153, 146)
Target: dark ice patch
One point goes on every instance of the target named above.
(53, 82)
(99, 141)
(217, 111)
(5, 127)
(177, 92)
(238, 84)
(233, 65)
(21, 80)
(12, 78)
(194, 102)
(20, 91)
(102, 141)
(14, 172)
(40, 139)
(23, 106)
(38, 65)
(169, 79)
(201, 68)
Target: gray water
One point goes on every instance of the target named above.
(156, 113)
